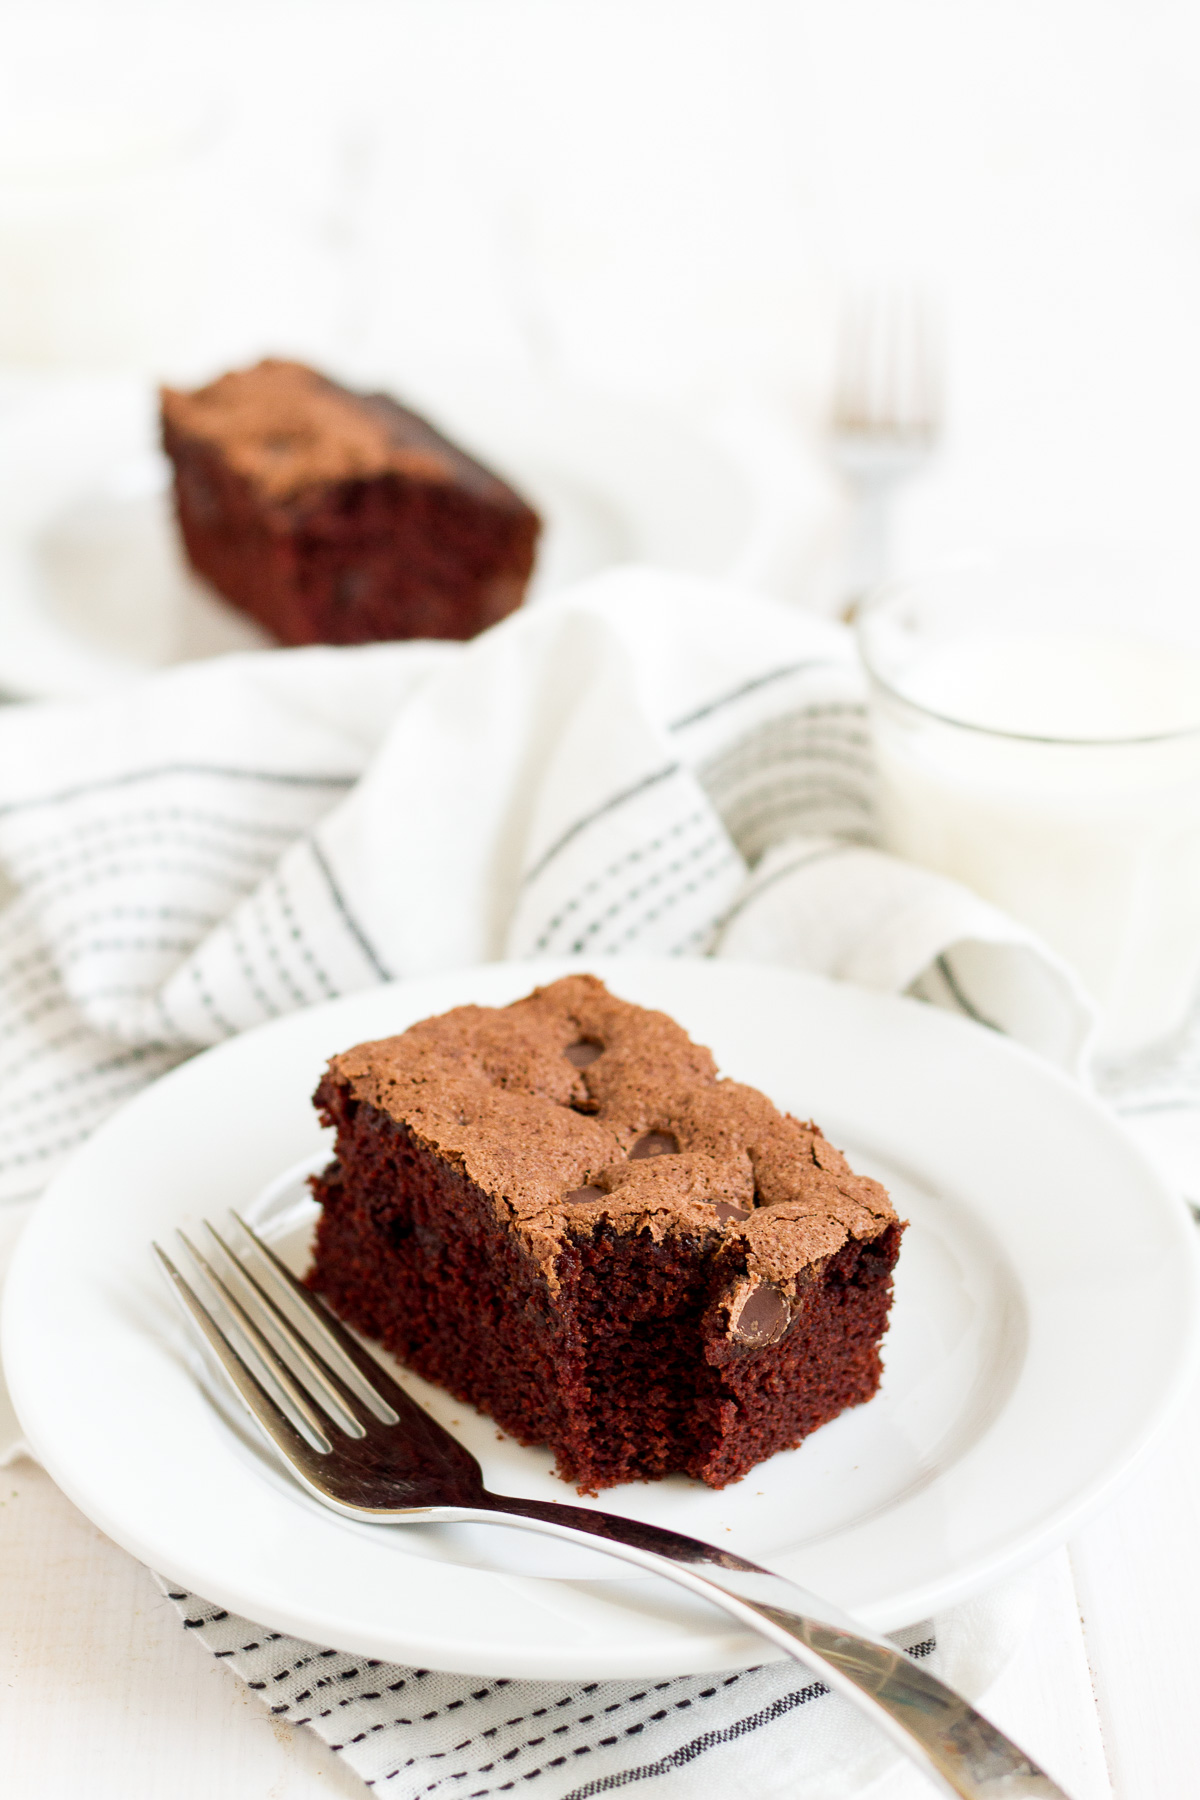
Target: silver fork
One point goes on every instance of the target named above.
(357, 1442)
(887, 416)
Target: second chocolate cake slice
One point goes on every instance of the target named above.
(559, 1212)
(334, 517)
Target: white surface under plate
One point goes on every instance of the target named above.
(1044, 1323)
(94, 587)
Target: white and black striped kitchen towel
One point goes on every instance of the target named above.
(770, 1733)
(647, 764)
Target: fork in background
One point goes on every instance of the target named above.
(885, 422)
(353, 1438)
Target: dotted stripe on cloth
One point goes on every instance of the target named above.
(411, 1732)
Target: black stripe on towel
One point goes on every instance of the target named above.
(131, 777)
(351, 923)
(952, 982)
(748, 687)
(687, 1753)
(777, 875)
(613, 802)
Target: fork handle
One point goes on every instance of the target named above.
(867, 534)
(961, 1751)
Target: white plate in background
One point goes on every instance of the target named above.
(1045, 1323)
(94, 587)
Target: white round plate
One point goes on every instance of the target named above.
(94, 587)
(1044, 1322)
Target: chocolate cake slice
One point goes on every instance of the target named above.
(341, 518)
(559, 1212)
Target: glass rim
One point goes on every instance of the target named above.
(875, 603)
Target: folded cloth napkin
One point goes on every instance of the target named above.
(770, 1733)
(647, 764)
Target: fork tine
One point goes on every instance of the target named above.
(294, 1448)
(906, 354)
(331, 1331)
(854, 401)
(845, 404)
(330, 1383)
(879, 404)
(903, 348)
(301, 1398)
(887, 382)
(928, 364)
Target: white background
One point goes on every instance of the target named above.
(666, 196)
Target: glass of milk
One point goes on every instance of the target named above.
(1038, 739)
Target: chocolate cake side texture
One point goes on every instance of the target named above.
(341, 518)
(560, 1213)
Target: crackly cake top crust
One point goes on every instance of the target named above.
(286, 428)
(571, 1105)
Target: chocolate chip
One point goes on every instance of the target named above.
(584, 1052)
(764, 1317)
(725, 1212)
(585, 1196)
(655, 1143)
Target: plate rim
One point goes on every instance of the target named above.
(953, 1586)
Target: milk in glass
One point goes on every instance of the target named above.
(1058, 775)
